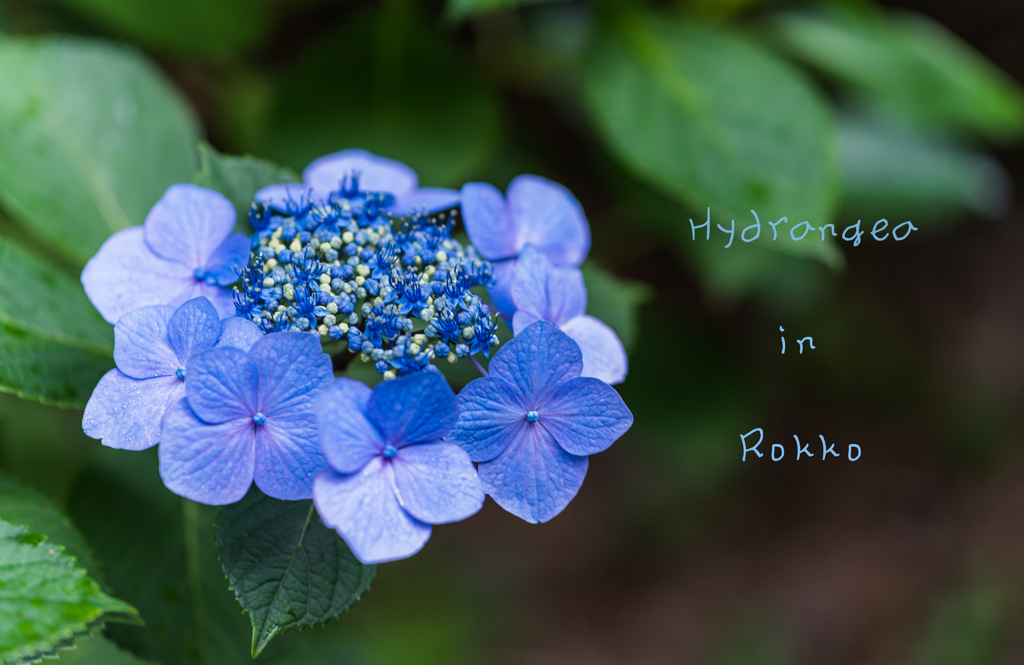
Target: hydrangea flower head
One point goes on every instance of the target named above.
(153, 347)
(247, 416)
(391, 477)
(535, 211)
(534, 420)
(544, 292)
(184, 249)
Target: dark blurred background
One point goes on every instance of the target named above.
(675, 551)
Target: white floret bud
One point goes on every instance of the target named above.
(452, 358)
(296, 245)
(388, 375)
(468, 332)
(442, 256)
(325, 278)
(322, 329)
(268, 282)
(362, 270)
(344, 328)
(365, 358)
(329, 320)
(289, 291)
(360, 280)
(324, 246)
(414, 349)
(418, 339)
(332, 307)
(347, 237)
(270, 264)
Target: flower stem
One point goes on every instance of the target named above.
(478, 366)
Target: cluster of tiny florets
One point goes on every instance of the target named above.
(396, 289)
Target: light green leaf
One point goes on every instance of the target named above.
(46, 601)
(908, 64)
(615, 301)
(91, 135)
(46, 371)
(286, 568)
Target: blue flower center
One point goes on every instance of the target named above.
(389, 451)
(199, 274)
(258, 418)
(532, 416)
(180, 373)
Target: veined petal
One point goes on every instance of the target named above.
(419, 408)
(211, 464)
(437, 483)
(188, 224)
(487, 221)
(125, 275)
(193, 328)
(543, 292)
(376, 174)
(142, 348)
(604, 357)
(348, 439)
(490, 415)
(534, 479)
(222, 385)
(430, 199)
(239, 332)
(537, 361)
(127, 413)
(585, 416)
(545, 214)
(501, 290)
(223, 299)
(288, 455)
(364, 509)
(292, 368)
(230, 255)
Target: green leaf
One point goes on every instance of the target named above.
(908, 64)
(21, 505)
(286, 568)
(404, 92)
(459, 10)
(46, 371)
(615, 301)
(46, 601)
(239, 178)
(91, 135)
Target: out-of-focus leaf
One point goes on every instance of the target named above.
(457, 10)
(91, 135)
(48, 602)
(51, 373)
(899, 175)
(910, 65)
(98, 650)
(388, 83)
(615, 301)
(286, 568)
(239, 178)
(970, 625)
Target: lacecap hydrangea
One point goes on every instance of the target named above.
(358, 261)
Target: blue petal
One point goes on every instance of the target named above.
(437, 483)
(604, 357)
(292, 368)
(543, 292)
(231, 256)
(193, 328)
(348, 439)
(545, 214)
(188, 224)
(537, 361)
(430, 199)
(585, 416)
(419, 408)
(376, 174)
(288, 455)
(490, 414)
(283, 194)
(364, 509)
(142, 349)
(222, 385)
(239, 332)
(501, 290)
(125, 275)
(210, 464)
(487, 221)
(127, 413)
(534, 478)
(223, 299)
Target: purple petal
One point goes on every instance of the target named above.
(239, 332)
(127, 413)
(348, 439)
(534, 478)
(221, 385)
(490, 415)
(227, 259)
(142, 349)
(437, 483)
(545, 214)
(283, 194)
(288, 455)
(194, 327)
(188, 224)
(125, 275)
(501, 290)
(487, 221)
(420, 408)
(223, 299)
(537, 361)
(211, 464)
(430, 199)
(585, 416)
(292, 368)
(604, 357)
(543, 292)
(364, 509)
(376, 174)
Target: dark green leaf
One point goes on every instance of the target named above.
(46, 371)
(910, 65)
(91, 135)
(388, 83)
(457, 10)
(615, 301)
(47, 601)
(286, 568)
(239, 178)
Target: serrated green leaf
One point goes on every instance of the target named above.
(287, 569)
(46, 601)
(239, 178)
(615, 301)
(91, 135)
